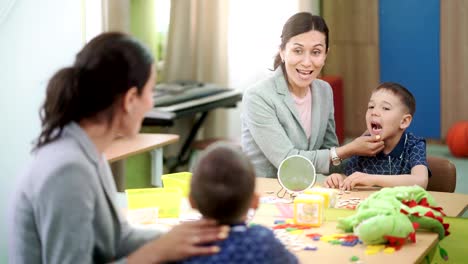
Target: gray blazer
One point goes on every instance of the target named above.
(271, 128)
(64, 209)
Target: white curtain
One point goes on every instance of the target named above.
(197, 50)
(197, 43)
(116, 15)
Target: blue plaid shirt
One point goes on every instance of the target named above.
(409, 152)
(256, 244)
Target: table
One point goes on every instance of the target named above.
(328, 253)
(453, 205)
(126, 147)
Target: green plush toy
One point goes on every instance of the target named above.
(392, 215)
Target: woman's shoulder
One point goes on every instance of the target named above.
(63, 147)
(54, 164)
(61, 154)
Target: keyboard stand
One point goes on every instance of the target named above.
(184, 155)
(228, 100)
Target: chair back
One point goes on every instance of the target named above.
(444, 175)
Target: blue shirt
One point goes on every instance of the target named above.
(409, 152)
(256, 244)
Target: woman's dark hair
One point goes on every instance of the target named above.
(223, 183)
(297, 24)
(103, 71)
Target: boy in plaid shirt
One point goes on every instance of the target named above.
(403, 160)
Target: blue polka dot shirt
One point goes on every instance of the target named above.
(256, 244)
(409, 152)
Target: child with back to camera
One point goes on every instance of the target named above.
(403, 160)
(223, 188)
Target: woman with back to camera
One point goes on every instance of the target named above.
(64, 209)
(291, 112)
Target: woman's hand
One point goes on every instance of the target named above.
(183, 241)
(367, 145)
(358, 178)
(335, 180)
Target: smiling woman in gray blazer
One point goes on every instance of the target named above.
(291, 112)
(64, 209)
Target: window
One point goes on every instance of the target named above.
(254, 38)
(91, 17)
(162, 19)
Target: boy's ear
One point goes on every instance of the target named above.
(255, 201)
(406, 121)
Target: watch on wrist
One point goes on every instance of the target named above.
(334, 157)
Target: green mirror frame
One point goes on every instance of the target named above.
(296, 174)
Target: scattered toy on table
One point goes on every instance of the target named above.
(346, 240)
(392, 216)
(350, 203)
(310, 247)
(291, 227)
(374, 249)
(274, 200)
(293, 241)
(314, 236)
(286, 211)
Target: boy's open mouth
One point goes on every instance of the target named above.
(376, 127)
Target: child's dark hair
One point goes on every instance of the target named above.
(223, 184)
(405, 95)
(103, 71)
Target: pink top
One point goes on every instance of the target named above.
(304, 107)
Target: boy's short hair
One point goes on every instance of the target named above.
(405, 95)
(223, 183)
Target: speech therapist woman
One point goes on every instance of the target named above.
(64, 209)
(291, 112)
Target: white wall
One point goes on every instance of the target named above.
(36, 38)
